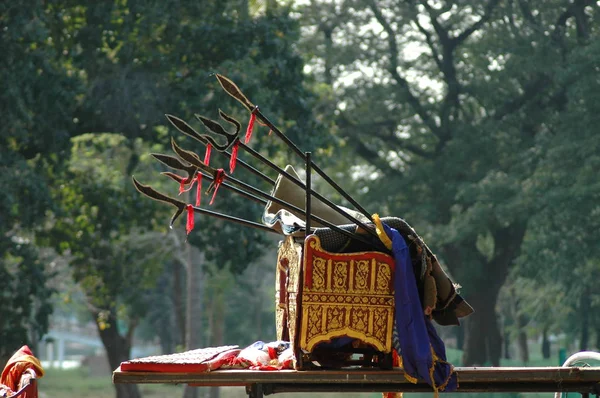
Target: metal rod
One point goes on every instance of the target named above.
(300, 184)
(307, 204)
(293, 146)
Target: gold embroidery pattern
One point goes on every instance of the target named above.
(292, 322)
(315, 323)
(340, 276)
(362, 275)
(351, 295)
(384, 277)
(318, 273)
(336, 317)
(291, 251)
(380, 319)
(313, 298)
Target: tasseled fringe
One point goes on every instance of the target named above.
(199, 176)
(250, 127)
(198, 188)
(189, 225)
(207, 153)
(216, 183)
(182, 183)
(234, 155)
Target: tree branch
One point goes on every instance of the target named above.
(487, 14)
(539, 84)
(393, 69)
(373, 157)
(434, 51)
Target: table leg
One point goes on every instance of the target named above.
(255, 391)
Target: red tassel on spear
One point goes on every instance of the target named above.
(189, 225)
(234, 155)
(199, 177)
(216, 183)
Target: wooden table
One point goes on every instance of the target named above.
(585, 381)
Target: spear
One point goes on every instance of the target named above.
(205, 139)
(233, 90)
(193, 159)
(181, 206)
(188, 130)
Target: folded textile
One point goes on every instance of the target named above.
(200, 360)
(19, 370)
(423, 352)
(258, 356)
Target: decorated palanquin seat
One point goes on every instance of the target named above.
(330, 305)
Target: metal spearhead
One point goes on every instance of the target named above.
(154, 194)
(232, 89)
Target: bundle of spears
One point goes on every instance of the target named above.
(197, 169)
(293, 208)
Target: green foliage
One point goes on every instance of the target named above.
(477, 122)
(86, 89)
(37, 98)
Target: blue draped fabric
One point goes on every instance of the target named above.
(418, 338)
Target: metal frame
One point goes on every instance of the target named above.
(585, 381)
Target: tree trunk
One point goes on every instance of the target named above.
(523, 347)
(545, 344)
(506, 345)
(118, 350)
(483, 341)
(585, 319)
(195, 293)
(521, 322)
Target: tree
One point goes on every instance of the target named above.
(37, 95)
(451, 104)
(110, 71)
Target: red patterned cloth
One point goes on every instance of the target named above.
(200, 360)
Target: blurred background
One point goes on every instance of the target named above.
(476, 121)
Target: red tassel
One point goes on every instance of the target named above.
(250, 128)
(189, 226)
(207, 154)
(199, 175)
(182, 185)
(234, 155)
(198, 188)
(217, 183)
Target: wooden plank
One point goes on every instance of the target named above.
(553, 376)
